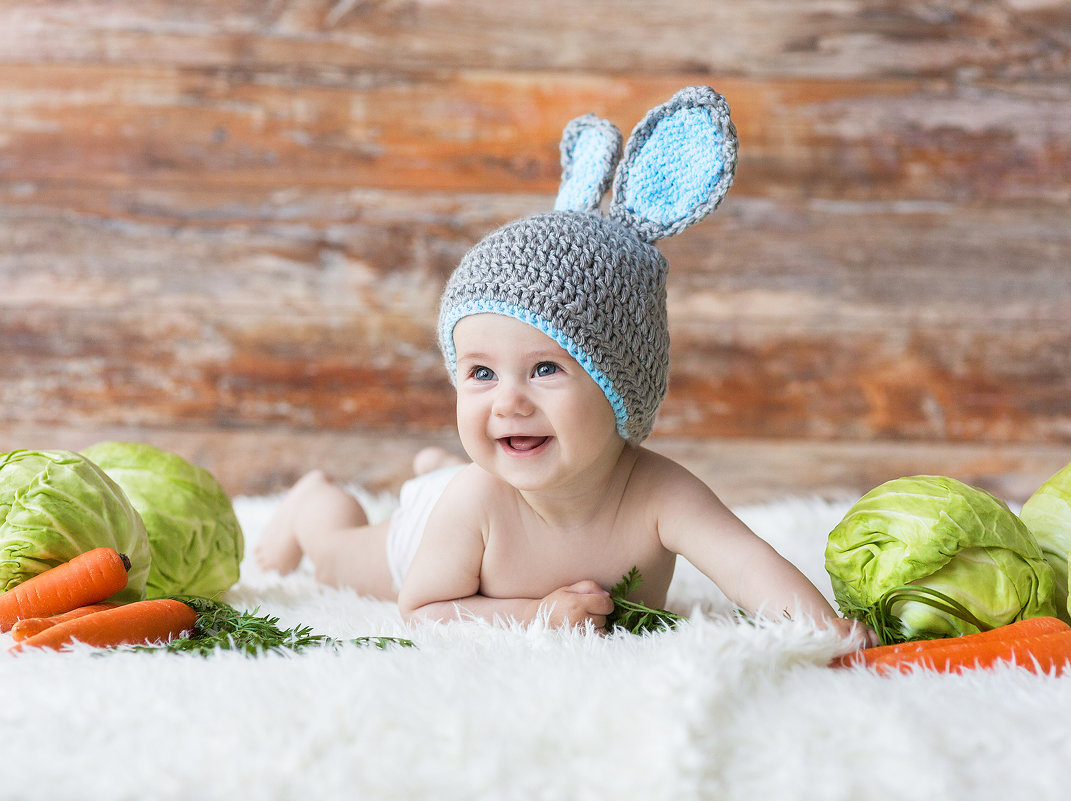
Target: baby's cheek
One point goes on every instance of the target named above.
(471, 430)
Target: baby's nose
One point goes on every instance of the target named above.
(511, 400)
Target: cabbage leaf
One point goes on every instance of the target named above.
(194, 535)
(1047, 513)
(55, 505)
(928, 556)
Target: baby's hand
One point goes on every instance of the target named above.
(860, 634)
(577, 603)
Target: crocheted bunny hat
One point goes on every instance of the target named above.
(596, 284)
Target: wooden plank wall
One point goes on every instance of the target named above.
(224, 225)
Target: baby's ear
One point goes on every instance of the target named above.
(590, 149)
(678, 165)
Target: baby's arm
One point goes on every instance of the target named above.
(443, 583)
(570, 606)
(694, 523)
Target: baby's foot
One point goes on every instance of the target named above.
(433, 458)
(278, 548)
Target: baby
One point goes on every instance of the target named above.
(554, 332)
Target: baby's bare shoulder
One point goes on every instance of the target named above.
(475, 488)
(685, 510)
(468, 503)
(667, 489)
(655, 472)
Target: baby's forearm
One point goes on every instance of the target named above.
(809, 602)
(523, 610)
(796, 596)
(799, 598)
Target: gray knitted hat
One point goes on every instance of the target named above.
(597, 285)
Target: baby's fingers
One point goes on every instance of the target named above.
(587, 587)
(601, 605)
(860, 634)
(595, 600)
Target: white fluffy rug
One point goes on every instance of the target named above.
(714, 710)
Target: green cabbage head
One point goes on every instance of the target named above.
(1047, 513)
(194, 534)
(55, 505)
(928, 556)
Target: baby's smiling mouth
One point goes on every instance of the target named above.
(523, 444)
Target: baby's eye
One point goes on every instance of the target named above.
(482, 373)
(543, 369)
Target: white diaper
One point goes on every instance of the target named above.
(418, 497)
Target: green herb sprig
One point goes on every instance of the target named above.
(633, 616)
(221, 627)
(890, 628)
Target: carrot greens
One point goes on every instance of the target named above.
(221, 627)
(633, 616)
(891, 629)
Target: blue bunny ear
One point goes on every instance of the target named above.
(678, 165)
(590, 149)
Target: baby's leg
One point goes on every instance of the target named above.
(278, 548)
(322, 520)
(353, 557)
(433, 458)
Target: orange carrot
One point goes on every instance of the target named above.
(885, 657)
(1046, 653)
(889, 654)
(89, 578)
(29, 626)
(160, 619)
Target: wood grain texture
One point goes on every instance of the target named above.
(224, 225)
(855, 39)
(498, 131)
(328, 321)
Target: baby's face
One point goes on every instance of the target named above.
(526, 410)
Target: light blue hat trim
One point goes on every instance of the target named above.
(485, 306)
